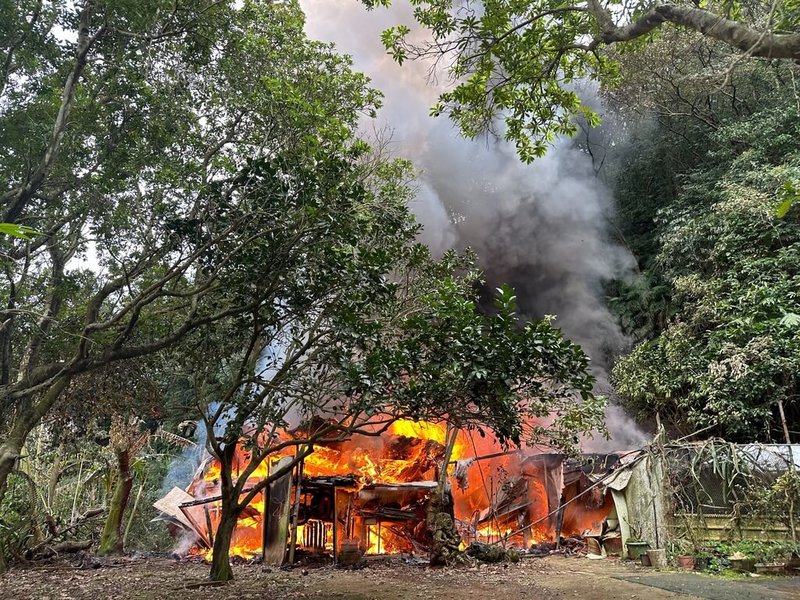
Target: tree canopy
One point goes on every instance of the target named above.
(517, 62)
(125, 130)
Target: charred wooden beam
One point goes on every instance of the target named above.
(391, 514)
(208, 500)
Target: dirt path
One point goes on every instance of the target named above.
(551, 578)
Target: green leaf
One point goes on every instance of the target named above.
(784, 207)
(18, 231)
(790, 320)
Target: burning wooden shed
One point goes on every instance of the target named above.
(373, 493)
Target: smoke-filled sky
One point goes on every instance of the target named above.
(543, 228)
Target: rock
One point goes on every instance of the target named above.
(490, 553)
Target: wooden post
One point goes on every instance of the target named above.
(295, 511)
(526, 534)
(265, 515)
(785, 430)
(335, 523)
(208, 526)
(792, 525)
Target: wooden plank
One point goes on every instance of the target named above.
(277, 523)
(170, 505)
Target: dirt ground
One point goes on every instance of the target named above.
(548, 578)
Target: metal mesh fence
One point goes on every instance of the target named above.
(719, 478)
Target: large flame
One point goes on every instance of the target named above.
(408, 452)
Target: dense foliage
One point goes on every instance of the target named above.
(123, 127)
(718, 303)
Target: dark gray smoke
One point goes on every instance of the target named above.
(543, 228)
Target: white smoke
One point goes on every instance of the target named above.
(543, 228)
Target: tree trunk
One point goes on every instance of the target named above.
(25, 420)
(753, 41)
(441, 528)
(440, 523)
(220, 561)
(111, 539)
(55, 475)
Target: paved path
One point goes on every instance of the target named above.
(583, 579)
(717, 588)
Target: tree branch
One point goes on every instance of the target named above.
(738, 35)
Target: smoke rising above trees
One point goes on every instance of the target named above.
(544, 228)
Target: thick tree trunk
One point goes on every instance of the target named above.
(10, 450)
(441, 528)
(440, 523)
(221, 561)
(111, 539)
(26, 419)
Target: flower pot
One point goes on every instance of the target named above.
(636, 548)
(769, 569)
(743, 565)
(792, 564)
(658, 557)
(645, 560)
(686, 561)
(700, 563)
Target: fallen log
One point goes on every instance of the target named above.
(61, 548)
(36, 551)
(72, 546)
(201, 584)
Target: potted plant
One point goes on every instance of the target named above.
(635, 544)
(741, 562)
(702, 560)
(684, 554)
(685, 561)
(772, 558)
(792, 565)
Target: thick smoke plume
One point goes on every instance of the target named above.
(543, 228)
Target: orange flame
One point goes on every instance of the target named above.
(409, 451)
